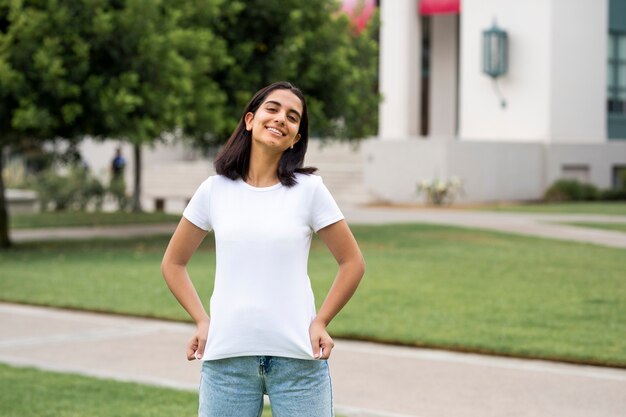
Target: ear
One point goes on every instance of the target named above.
(296, 139)
(248, 120)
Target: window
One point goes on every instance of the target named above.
(617, 74)
(619, 177)
(575, 172)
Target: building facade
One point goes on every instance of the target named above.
(559, 110)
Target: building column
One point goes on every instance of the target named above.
(400, 67)
(444, 76)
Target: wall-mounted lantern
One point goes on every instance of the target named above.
(495, 55)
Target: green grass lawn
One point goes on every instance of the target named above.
(425, 285)
(617, 227)
(605, 207)
(78, 218)
(31, 392)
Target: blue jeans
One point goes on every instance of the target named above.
(235, 387)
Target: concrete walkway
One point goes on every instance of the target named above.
(542, 225)
(369, 380)
(532, 224)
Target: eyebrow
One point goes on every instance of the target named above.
(280, 105)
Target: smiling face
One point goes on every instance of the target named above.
(276, 122)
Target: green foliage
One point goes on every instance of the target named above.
(130, 69)
(136, 69)
(311, 44)
(106, 68)
(571, 190)
(574, 190)
(77, 189)
(613, 194)
(117, 189)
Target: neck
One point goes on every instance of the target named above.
(263, 169)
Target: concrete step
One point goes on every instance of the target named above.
(339, 164)
(174, 180)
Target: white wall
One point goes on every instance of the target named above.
(399, 69)
(556, 85)
(490, 171)
(555, 116)
(526, 86)
(498, 171)
(392, 169)
(599, 158)
(579, 71)
(443, 76)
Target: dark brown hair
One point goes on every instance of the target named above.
(233, 160)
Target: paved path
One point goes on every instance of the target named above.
(543, 225)
(369, 380)
(79, 233)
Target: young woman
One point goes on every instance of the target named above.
(264, 335)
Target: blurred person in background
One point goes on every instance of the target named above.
(117, 187)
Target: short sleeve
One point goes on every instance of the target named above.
(198, 210)
(324, 209)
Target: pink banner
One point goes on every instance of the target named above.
(430, 7)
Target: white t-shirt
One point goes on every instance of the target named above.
(262, 302)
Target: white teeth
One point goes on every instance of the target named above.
(271, 129)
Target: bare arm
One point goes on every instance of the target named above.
(345, 249)
(182, 246)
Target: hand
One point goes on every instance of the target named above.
(321, 341)
(195, 347)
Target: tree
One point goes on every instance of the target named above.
(40, 97)
(312, 44)
(136, 69)
(161, 66)
(108, 68)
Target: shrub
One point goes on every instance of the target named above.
(117, 188)
(613, 194)
(55, 191)
(15, 175)
(571, 190)
(440, 192)
(76, 189)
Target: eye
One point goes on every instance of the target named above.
(272, 109)
(293, 119)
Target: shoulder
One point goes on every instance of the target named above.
(218, 184)
(217, 180)
(310, 181)
(205, 186)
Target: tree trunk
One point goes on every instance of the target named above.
(137, 186)
(5, 242)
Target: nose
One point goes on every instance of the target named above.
(280, 118)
